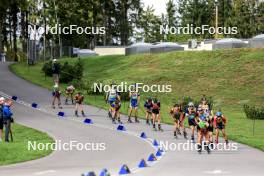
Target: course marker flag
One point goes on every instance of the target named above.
(88, 121)
(124, 170)
(121, 128)
(152, 157)
(142, 164)
(143, 135)
(34, 105)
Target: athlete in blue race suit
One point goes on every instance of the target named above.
(134, 100)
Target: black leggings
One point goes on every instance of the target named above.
(7, 124)
(1, 123)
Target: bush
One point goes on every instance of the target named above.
(10, 56)
(253, 112)
(78, 69)
(90, 89)
(124, 96)
(47, 68)
(79, 84)
(68, 73)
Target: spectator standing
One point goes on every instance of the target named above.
(2, 100)
(7, 117)
(55, 71)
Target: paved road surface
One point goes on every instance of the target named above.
(121, 148)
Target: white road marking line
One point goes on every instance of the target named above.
(44, 172)
(215, 172)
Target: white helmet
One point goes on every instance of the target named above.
(190, 104)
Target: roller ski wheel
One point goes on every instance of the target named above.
(113, 121)
(175, 135)
(178, 132)
(208, 150)
(199, 149)
(109, 114)
(185, 135)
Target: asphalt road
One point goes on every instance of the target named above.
(121, 147)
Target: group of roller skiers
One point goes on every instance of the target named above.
(199, 117)
(76, 99)
(152, 108)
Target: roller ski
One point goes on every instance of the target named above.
(147, 122)
(129, 120)
(119, 121)
(159, 127)
(175, 135)
(154, 127)
(83, 114)
(185, 135)
(199, 148)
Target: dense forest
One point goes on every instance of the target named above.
(125, 21)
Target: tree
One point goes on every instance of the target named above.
(149, 26)
(126, 13)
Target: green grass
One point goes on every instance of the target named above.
(17, 151)
(231, 77)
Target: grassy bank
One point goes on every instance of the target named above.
(17, 151)
(231, 77)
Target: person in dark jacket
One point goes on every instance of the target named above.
(7, 116)
(2, 100)
(55, 71)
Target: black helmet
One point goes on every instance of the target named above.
(176, 105)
